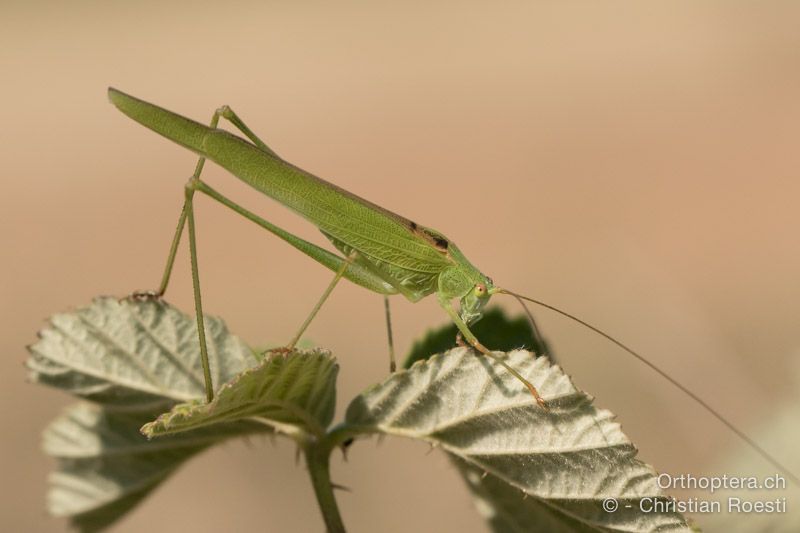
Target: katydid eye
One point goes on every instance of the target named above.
(480, 289)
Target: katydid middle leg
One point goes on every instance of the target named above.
(392, 363)
(322, 300)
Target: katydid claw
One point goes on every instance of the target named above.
(145, 296)
(541, 402)
(460, 340)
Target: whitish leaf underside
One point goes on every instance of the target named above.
(565, 460)
(125, 352)
(132, 360)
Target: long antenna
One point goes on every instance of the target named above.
(739, 433)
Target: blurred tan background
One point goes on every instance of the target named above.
(635, 164)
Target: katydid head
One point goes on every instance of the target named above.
(475, 300)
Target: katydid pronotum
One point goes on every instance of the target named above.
(381, 251)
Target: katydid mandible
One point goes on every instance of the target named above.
(381, 251)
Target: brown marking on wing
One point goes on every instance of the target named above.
(438, 241)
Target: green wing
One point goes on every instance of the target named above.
(382, 236)
(412, 284)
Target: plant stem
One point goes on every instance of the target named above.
(318, 462)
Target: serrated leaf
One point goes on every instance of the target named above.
(106, 466)
(291, 393)
(495, 330)
(567, 459)
(133, 360)
(129, 353)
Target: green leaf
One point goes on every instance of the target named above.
(293, 393)
(495, 330)
(567, 460)
(133, 360)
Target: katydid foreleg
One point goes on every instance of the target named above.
(473, 341)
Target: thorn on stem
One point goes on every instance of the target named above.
(345, 446)
(341, 487)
